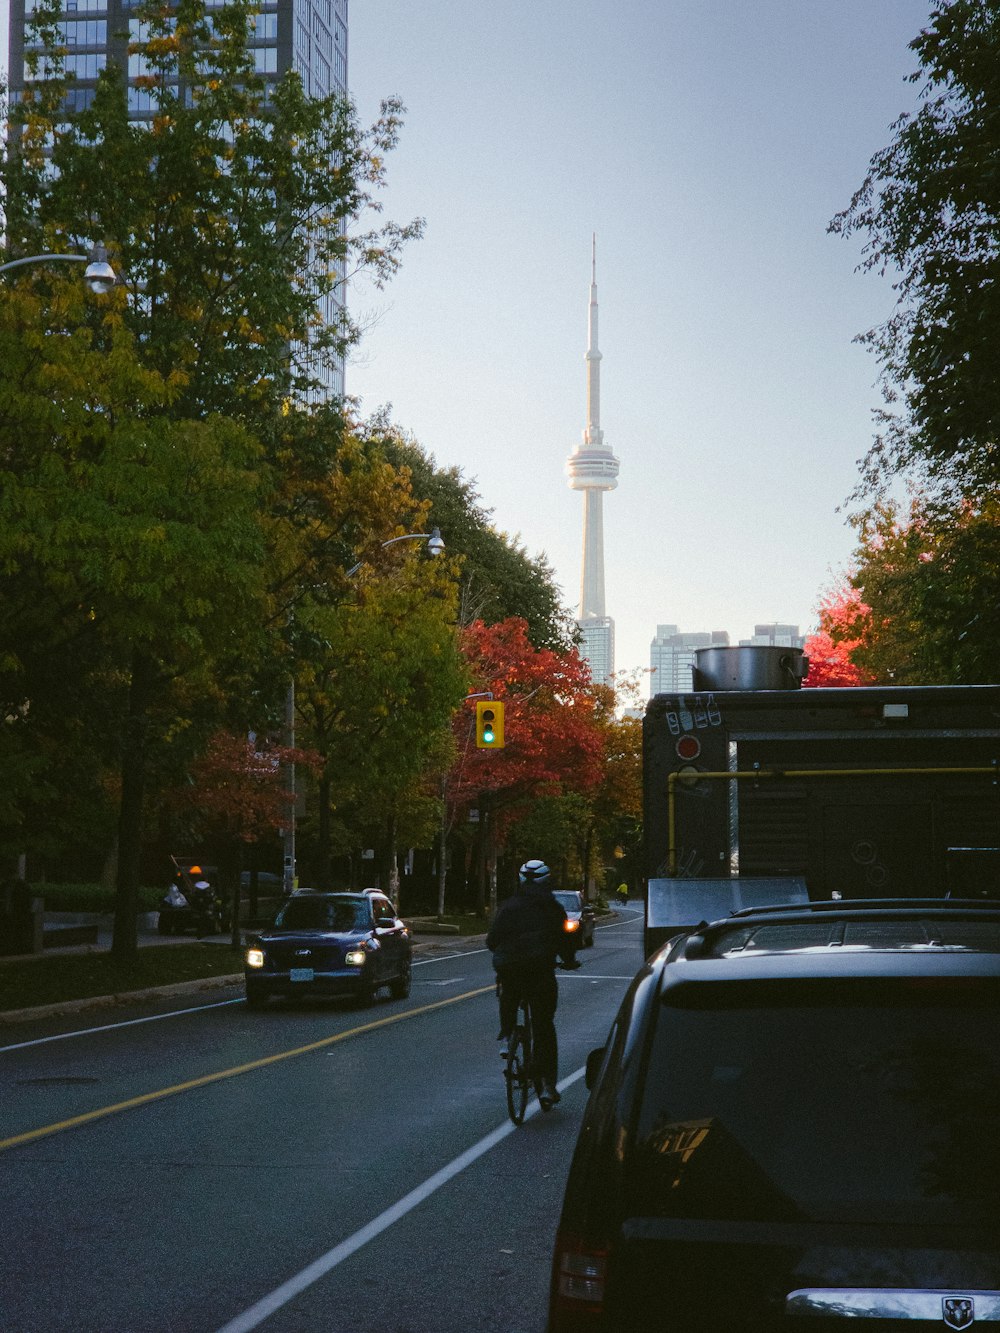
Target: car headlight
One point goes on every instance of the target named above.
(570, 926)
(354, 957)
(255, 957)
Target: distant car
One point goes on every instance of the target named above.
(793, 1124)
(330, 944)
(580, 917)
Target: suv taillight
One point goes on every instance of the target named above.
(579, 1280)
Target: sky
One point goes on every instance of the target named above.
(707, 143)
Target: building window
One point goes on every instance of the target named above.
(77, 67)
(264, 27)
(78, 99)
(265, 60)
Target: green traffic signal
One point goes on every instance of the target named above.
(489, 725)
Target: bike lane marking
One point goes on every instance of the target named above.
(256, 1314)
(204, 1080)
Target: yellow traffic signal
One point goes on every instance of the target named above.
(489, 724)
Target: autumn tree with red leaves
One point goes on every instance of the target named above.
(844, 624)
(552, 740)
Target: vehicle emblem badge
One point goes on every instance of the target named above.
(958, 1311)
(304, 953)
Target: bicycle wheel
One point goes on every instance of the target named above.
(516, 1077)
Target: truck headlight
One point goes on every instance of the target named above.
(354, 957)
(255, 957)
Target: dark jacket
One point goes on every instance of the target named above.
(528, 928)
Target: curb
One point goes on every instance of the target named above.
(123, 997)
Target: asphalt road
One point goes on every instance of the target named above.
(197, 1167)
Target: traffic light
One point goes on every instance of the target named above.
(489, 724)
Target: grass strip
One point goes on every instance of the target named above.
(34, 981)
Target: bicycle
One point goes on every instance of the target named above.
(518, 1062)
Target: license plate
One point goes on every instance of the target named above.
(301, 974)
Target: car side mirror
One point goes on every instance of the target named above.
(594, 1061)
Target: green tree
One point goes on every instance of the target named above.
(376, 694)
(929, 209)
(153, 542)
(130, 551)
(929, 580)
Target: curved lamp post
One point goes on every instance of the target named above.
(99, 275)
(435, 546)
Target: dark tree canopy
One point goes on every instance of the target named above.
(930, 210)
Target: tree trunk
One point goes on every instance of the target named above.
(124, 943)
(109, 871)
(230, 865)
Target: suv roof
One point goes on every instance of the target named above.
(876, 925)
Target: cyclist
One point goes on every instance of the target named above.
(526, 937)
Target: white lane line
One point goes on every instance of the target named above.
(264, 1308)
(111, 1027)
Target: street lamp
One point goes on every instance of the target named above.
(435, 546)
(99, 275)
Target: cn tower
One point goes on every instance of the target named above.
(593, 469)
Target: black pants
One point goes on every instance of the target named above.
(535, 984)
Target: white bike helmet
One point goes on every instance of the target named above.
(534, 872)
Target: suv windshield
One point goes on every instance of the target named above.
(569, 900)
(324, 914)
(848, 1105)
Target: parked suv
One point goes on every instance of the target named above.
(796, 1117)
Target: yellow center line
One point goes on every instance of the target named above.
(17, 1139)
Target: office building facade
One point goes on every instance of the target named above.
(671, 657)
(775, 635)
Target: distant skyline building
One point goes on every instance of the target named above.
(308, 36)
(775, 635)
(593, 469)
(671, 657)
